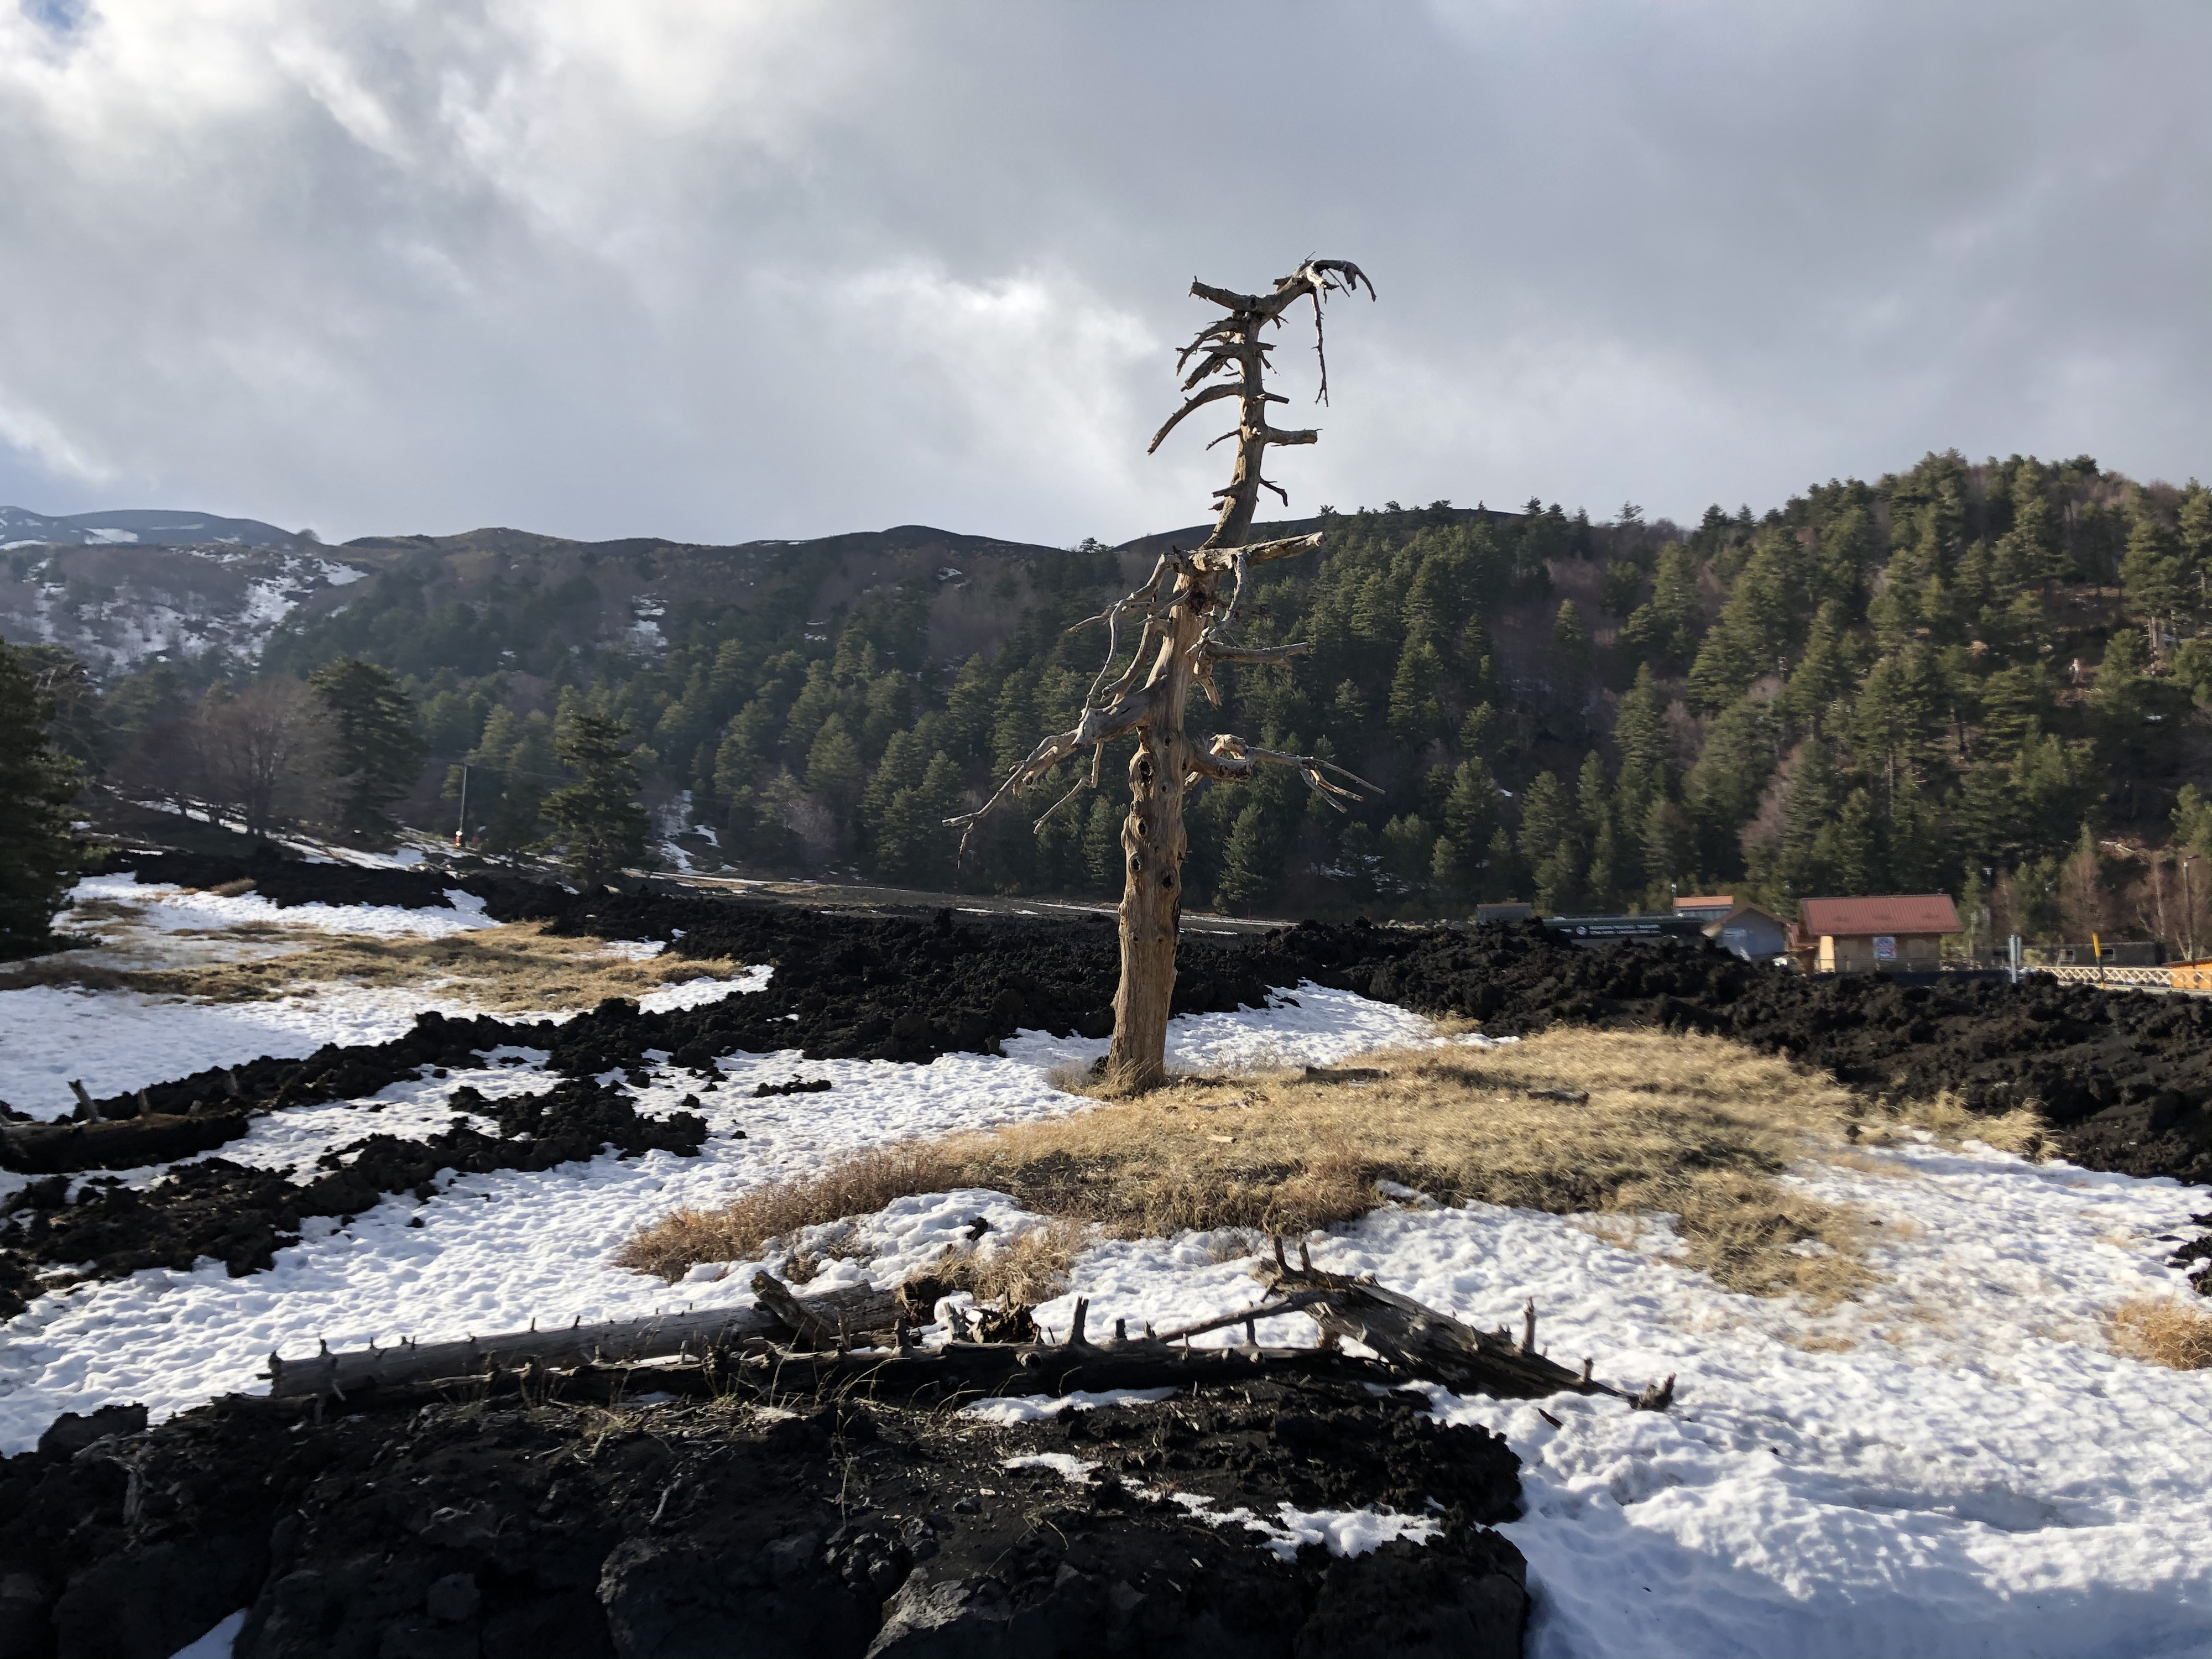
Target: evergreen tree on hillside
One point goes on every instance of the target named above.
(1929, 628)
(1663, 630)
(2151, 575)
(39, 852)
(597, 819)
(1816, 798)
(2193, 524)
(375, 751)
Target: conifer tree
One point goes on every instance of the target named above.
(2151, 575)
(38, 849)
(2193, 522)
(1251, 868)
(1550, 842)
(1664, 629)
(1570, 645)
(1814, 798)
(376, 751)
(596, 819)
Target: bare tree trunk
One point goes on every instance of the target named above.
(1182, 608)
(1153, 843)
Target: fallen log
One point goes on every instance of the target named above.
(1417, 1340)
(730, 1347)
(955, 1372)
(127, 1143)
(862, 1308)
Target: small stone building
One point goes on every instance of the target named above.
(1891, 933)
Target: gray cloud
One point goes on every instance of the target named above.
(716, 270)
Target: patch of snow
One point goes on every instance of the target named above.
(1342, 1532)
(1076, 1471)
(169, 908)
(116, 1040)
(498, 1250)
(218, 1643)
(1954, 1466)
(113, 1041)
(698, 993)
(1312, 1025)
(1009, 1409)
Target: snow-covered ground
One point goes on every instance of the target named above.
(115, 1041)
(1954, 1466)
(496, 1251)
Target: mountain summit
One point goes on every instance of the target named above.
(144, 526)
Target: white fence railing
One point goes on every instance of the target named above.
(2157, 979)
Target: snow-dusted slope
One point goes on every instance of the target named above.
(116, 605)
(142, 527)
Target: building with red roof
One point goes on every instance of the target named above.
(1895, 933)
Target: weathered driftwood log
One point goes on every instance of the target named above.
(1417, 1339)
(956, 1371)
(127, 1143)
(862, 1309)
(856, 1339)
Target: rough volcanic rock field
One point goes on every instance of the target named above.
(2125, 1077)
(2125, 1074)
(818, 1528)
(1843, 1480)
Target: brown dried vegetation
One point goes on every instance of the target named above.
(1696, 1126)
(2163, 1331)
(516, 968)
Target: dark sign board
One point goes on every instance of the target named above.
(1597, 929)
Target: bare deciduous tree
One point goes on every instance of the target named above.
(262, 750)
(1183, 614)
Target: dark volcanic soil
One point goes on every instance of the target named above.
(717, 1529)
(2126, 1077)
(242, 1216)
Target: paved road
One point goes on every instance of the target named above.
(842, 896)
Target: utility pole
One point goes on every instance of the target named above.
(461, 826)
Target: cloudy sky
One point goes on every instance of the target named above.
(715, 270)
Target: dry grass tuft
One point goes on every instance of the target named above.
(1030, 1268)
(859, 1185)
(1697, 1127)
(519, 968)
(61, 972)
(2021, 1130)
(2163, 1331)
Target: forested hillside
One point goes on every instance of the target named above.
(1981, 678)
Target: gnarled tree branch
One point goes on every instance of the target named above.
(1231, 760)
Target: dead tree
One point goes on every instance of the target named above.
(1182, 616)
